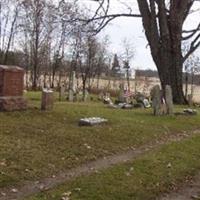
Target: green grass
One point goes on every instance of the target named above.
(144, 179)
(36, 144)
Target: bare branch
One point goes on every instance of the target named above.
(192, 32)
(193, 46)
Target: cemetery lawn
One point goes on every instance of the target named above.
(36, 144)
(145, 178)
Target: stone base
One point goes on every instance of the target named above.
(12, 103)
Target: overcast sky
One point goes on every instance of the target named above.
(132, 28)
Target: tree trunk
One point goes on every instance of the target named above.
(84, 89)
(98, 79)
(170, 73)
(45, 77)
(34, 85)
(163, 30)
(53, 78)
(186, 84)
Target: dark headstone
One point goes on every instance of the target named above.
(61, 92)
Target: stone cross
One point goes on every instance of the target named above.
(156, 100)
(169, 99)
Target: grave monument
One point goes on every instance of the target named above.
(169, 99)
(47, 99)
(11, 88)
(156, 100)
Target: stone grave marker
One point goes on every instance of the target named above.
(92, 121)
(169, 99)
(85, 95)
(121, 93)
(61, 92)
(47, 99)
(107, 99)
(11, 88)
(156, 100)
(101, 96)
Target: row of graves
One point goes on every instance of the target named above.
(12, 85)
(126, 99)
(160, 101)
(71, 92)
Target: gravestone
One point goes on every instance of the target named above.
(101, 96)
(72, 88)
(61, 92)
(85, 95)
(92, 121)
(107, 99)
(163, 110)
(146, 103)
(71, 95)
(11, 88)
(121, 93)
(190, 111)
(169, 100)
(156, 100)
(47, 99)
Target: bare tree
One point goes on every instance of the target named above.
(102, 59)
(34, 13)
(9, 14)
(192, 67)
(127, 56)
(163, 24)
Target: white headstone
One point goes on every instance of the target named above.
(169, 99)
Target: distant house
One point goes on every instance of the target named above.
(123, 73)
(146, 73)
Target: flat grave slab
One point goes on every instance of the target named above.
(92, 121)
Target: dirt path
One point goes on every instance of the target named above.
(190, 191)
(32, 187)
